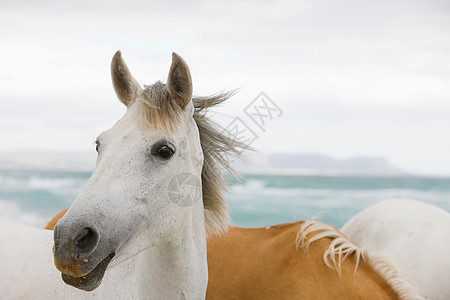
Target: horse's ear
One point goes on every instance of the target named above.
(125, 86)
(179, 82)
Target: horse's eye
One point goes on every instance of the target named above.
(165, 152)
(97, 145)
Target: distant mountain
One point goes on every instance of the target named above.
(306, 164)
(316, 164)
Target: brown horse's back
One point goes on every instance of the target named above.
(263, 263)
(52, 223)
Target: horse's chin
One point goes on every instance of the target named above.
(91, 280)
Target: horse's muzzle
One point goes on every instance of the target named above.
(73, 247)
(77, 254)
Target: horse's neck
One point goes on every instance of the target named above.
(177, 269)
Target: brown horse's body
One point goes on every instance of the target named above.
(264, 263)
(52, 223)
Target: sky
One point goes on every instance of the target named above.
(350, 78)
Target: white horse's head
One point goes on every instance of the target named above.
(147, 177)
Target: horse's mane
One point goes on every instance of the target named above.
(217, 146)
(341, 247)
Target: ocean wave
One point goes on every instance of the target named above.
(253, 193)
(33, 198)
(38, 183)
(249, 185)
(54, 185)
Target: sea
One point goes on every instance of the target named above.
(34, 197)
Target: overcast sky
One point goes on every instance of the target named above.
(352, 77)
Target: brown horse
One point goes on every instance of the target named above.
(302, 260)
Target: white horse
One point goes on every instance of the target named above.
(414, 235)
(140, 216)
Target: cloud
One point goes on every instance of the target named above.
(338, 69)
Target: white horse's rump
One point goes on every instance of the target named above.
(27, 269)
(414, 235)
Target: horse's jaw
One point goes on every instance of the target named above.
(91, 280)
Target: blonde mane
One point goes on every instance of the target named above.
(341, 247)
(156, 110)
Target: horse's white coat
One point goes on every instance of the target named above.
(160, 247)
(414, 235)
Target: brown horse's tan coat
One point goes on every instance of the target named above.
(52, 223)
(263, 263)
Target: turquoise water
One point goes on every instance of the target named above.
(261, 200)
(33, 197)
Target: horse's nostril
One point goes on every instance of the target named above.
(85, 242)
